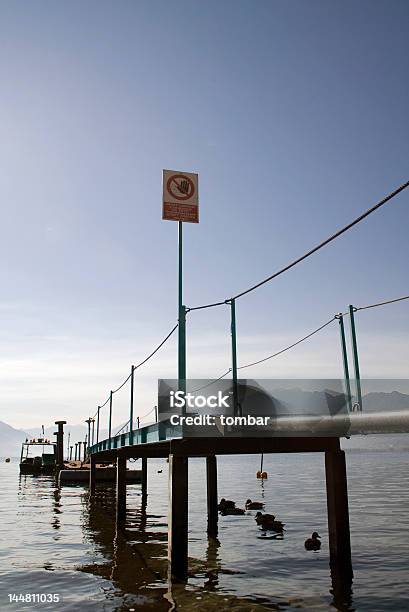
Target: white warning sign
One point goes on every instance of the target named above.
(180, 196)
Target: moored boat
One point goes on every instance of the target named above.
(35, 459)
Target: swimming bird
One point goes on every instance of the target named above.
(159, 471)
(268, 522)
(232, 511)
(253, 505)
(226, 503)
(313, 543)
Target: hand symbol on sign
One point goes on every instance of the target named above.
(183, 187)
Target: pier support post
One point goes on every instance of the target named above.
(338, 512)
(120, 488)
(60, 444)
(178, 518)
(144, 477)
(92, 475)
(212, 511)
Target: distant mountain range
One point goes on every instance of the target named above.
(11, 438)
(385, 402)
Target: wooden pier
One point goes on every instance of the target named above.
(179, 450)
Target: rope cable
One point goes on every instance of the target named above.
(406, 297)
(141, 363)
(212, 382)
(314, 249)
(248, 365)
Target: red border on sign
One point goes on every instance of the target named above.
(182, 197)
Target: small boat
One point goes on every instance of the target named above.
(38, 456)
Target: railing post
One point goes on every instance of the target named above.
(345, 360)
(131, 407)
(110, 420)
(99, 408)
(89, 421)
(236, 408)
(137, 422)
(355, 354)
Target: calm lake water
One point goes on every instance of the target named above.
(52, 541)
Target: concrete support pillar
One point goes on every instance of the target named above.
(212, 502)
(92, 475)
(178, 518)
(338, 512)
(60, 444)
(120, 488)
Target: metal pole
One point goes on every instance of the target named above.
(68, 445)
(182, 320)
(71, 452)
(355, 354)
(88, 421)
(110, 419)
(137, 422)
(92, 434)
(156, 414)
(131, 407)
(99, 408)
(345, 361)
(236, 408)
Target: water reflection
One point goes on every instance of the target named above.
(135, 554)
(129, 560)
(136, 559)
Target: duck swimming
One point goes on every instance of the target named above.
(232, 511)
(253, 505)
(313, 543)
(268, 522)
(226, 504)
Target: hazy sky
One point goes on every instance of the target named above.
(295, 116)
